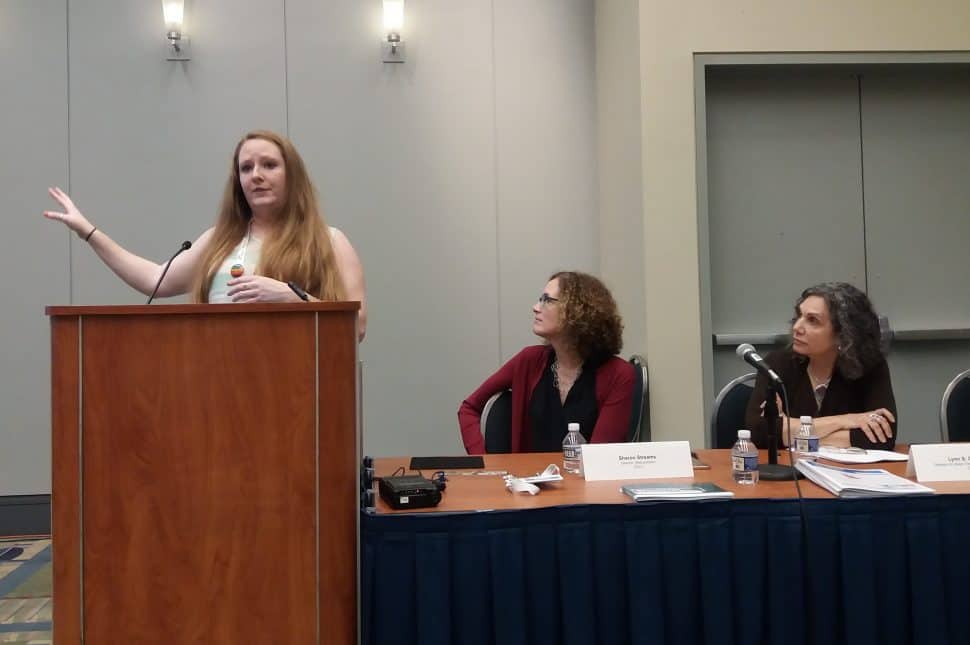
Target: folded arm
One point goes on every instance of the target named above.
(470, 411)
(613, 420)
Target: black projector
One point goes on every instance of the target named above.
(409, 491)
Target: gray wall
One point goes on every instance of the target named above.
(463, 177)
(620, 168)
(34, 258)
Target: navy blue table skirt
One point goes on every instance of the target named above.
(719, 572)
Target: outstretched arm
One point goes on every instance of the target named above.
(138, 272)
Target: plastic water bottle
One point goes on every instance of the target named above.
(744, 459)
(572, 450)
(807, 440)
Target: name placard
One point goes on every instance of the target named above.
(939, 462)
(649, 460)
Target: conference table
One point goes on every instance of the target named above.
(581, 563)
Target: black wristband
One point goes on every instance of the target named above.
(88, 236)
(298, 291)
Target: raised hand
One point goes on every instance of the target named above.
(70, 216)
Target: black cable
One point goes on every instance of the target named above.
(806, 596)
(791, 452)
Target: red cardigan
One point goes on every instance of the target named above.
(614, 398)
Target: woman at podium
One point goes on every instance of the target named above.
(270, 242)
(574, 377)
(834, 371)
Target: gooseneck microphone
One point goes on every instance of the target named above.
(749, 355)
(186, 245)
(772, 471)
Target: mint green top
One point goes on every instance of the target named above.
(246, 253)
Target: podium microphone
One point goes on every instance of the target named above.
(186, 245)
(772, 471)
(749, 355)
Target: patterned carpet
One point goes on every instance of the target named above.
(25, 591)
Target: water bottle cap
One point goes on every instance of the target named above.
(803, 419)
(744, 434)
(572, 427)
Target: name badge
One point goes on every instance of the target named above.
(939, 462)
(650, 460)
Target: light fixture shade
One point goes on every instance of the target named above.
(393, 16)
(174, 12)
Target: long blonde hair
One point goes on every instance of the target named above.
(299, 248)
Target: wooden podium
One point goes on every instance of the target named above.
(205, 474)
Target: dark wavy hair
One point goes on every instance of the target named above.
(590, 317)
(855, 324)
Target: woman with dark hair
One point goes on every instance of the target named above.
(834, 371)
(270, 242)
(574, 377)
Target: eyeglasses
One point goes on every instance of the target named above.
(546, 299)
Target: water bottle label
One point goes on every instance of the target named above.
(572, 452)
(806, 444)
(740, 463)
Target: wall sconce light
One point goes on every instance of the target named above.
(392, 45)
(176, 44)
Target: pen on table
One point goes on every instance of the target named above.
(476, 472)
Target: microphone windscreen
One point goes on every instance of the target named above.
(743, 349)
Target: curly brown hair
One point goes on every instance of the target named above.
(589, 315)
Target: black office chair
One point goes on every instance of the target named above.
(955, 409)
(640, 415)
(729, 407)
(497, 422)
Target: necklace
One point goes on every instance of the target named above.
(817, 383)
(239, 266)
(565, 384)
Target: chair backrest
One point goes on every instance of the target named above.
(640, 415)
(955, 409)
(729, 407)
(886, 335)
(496, 422)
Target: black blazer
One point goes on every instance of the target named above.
(872, 390)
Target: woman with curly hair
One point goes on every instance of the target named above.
(575, 377)
(834, 371)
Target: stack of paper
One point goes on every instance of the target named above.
(660, 491)
(852, 482)
(858, 455)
